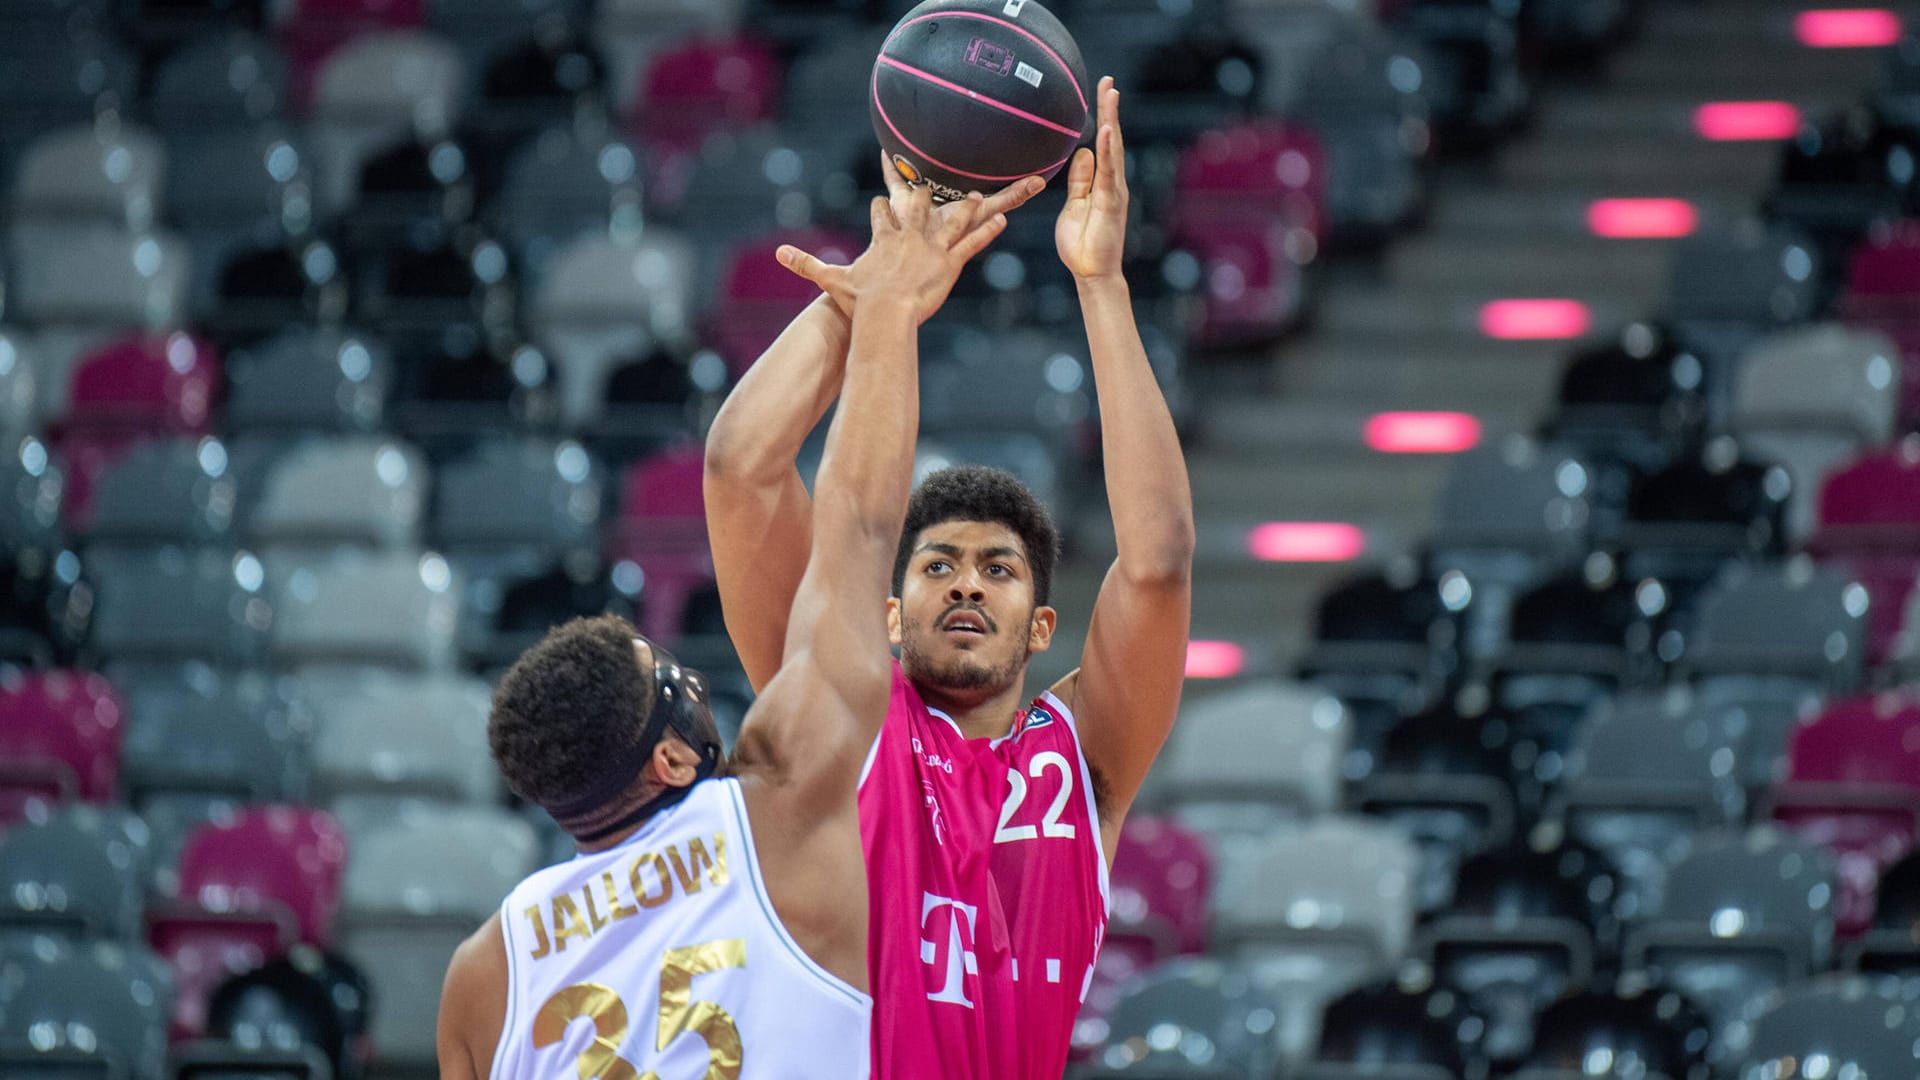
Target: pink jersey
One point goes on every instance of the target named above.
(987, 892)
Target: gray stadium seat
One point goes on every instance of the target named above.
(1192, 1017)
(67, 82)
(309, 380)
(33, 485)
(416, 887)
(19, 387)
(529, 494)
(1243, 759)
(1727, 286)
(823, 85)
(62, 1002)
(91, 173)
(1797, 619)
(360, 490)
(220, 184)
(227, 82)
(172, 604)
(165, 491)
(1743, 914)
(97, 275)
(602, 301)
(565, 184)
(195, 730)
(1641, 780)
(1812, 398)
(393, 609)
(376, 90)
(1315, 910)
(76, 871)
(1836, 1026)
(398, 737)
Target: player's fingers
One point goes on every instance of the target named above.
(954, 219)
(808, 266)
(1110, 178)
(1012, 197)
(977, 240)
(916, 208)
(881, 211)
(890, 175)
(1080, 174)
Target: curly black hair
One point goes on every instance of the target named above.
(570, 704)
(982, 493)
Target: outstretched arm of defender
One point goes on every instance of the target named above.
(1127, 689)
(759, 517)
(835, 651)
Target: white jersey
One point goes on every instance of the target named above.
(668, 951)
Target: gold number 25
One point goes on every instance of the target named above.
(679, 1014)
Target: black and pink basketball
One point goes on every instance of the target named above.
(971, 95)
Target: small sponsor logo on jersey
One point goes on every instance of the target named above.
(933, 813)
(1037, 717)
(933, 761)
(990, 56)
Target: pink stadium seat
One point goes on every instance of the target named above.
(759, 297)
(1883, 292)
(1870, 523)
(249, 888)
(134, 389)
(663, 530)
(59, 739)
(706, 86)
(1160, 880)
(1853, 785)
(161, 384)
(317, 28)
(1250, 203)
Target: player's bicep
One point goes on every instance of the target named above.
(474, 990)
(1127, 691)
(761, 537)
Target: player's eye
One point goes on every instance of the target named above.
(937, 566)
(999, 569)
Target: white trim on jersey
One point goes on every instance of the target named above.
(873, 751)
(499, 1066)
(1086, 787)
(752, 862)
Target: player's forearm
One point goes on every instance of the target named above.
(760, 428)
(866, 475)
(1146, 473)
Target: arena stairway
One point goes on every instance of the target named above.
(1399, 332)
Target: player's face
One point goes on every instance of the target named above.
(966, 618)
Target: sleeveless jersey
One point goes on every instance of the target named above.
(669, 948)
(987, 892)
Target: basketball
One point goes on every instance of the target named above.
(971, 95)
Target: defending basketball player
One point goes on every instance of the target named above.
(989, 820)
(711, 924)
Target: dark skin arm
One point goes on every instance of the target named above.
(473, 1005)
(759, 517)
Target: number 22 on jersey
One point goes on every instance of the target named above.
(679, 1014)
(1050, 825)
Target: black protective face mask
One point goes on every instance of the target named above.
(679, 703)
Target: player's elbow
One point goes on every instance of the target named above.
(1164, 558)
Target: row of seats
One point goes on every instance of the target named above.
(1614, 775)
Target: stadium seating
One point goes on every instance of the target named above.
(75, 1004)
(75, 872)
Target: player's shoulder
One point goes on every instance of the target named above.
(481, 959)
(473, 997)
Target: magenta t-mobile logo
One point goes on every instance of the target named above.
(986, 54)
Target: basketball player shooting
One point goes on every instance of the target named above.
(989, 820)
(710, 925)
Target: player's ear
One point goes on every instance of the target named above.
(1040, 634)
(893, 620)
(674, 763)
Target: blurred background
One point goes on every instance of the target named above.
(1549, 370)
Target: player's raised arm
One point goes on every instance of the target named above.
(1127, 689)
(759, 519)
(836, 637)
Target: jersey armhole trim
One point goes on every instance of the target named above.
(1059, 708)
(498, 1069)
(752, 863)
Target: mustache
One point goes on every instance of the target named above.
(992, 627)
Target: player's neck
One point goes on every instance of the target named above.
(979, 715)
